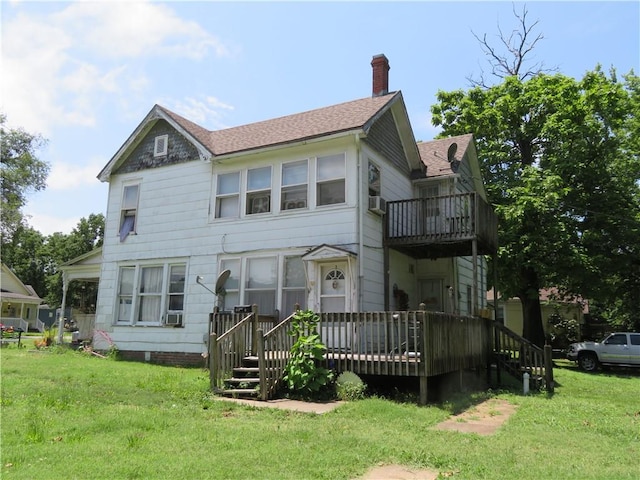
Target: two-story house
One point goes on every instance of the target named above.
(334, 209)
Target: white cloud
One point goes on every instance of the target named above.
(204, 112)
(48, 224)
(134, 29)
(57, 69)
(64, 176)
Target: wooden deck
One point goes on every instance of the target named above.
(443, 226)
(415, 343)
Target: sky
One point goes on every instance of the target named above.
(85, 74)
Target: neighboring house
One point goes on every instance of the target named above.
(19, 301)
(510, 309)
(334, 209)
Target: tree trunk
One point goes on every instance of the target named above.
(532, 328)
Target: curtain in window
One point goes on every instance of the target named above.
(150, 291)
(127, 226)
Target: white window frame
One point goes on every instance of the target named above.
(161, 146)
(294, 192)
(129, 209)
(227, 196)
(258, 195)
(238, 287)
(323, 179)
(373, 179)
(135, 297)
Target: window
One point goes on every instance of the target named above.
(161, 145)
(258, 190)
(128, 211)
(151, 294)
(261, 283)
(294, 185)
(274, 283)
(293, 284)
(125, 294)
(232, 285)
(432, 206)
(228, 195)
(330, 187)
(617, 339)
(374, 180)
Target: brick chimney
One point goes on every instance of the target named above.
(381, 67)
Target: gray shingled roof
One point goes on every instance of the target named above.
(434, 153)
(343, 117)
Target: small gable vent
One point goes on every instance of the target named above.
(161, 145)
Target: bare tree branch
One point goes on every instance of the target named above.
(511, 58)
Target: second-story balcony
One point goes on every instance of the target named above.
(443, 226)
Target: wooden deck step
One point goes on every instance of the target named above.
(240, 392)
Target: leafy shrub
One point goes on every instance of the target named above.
(350, 386)
(303, 374)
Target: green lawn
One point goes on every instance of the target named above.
(71, 416)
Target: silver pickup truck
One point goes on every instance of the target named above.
(619, 349)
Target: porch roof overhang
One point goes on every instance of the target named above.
(85, 267)
(327, 252)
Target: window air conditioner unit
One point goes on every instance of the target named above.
(378, 205)
(260, 204)
(174, 319)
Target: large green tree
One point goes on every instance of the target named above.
(36, 259)
(22, 172)
(561, 165)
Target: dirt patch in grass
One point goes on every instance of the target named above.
(483, 419)
(398, 472)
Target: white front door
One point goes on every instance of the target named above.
(334, 287)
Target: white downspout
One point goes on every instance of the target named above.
(360, 211)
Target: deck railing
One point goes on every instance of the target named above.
(406, 343)
(274, 350)
(227, 350)
(413, 343)
(518, 355)
(442, 219)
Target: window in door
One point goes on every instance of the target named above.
(330, 175)
(333, 289)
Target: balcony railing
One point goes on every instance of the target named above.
(447, 225)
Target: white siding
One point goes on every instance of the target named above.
(174, 221)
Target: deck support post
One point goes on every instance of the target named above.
(214, 364)
(423, 390)
(548, 368)
(474, 294)
(254, 329)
